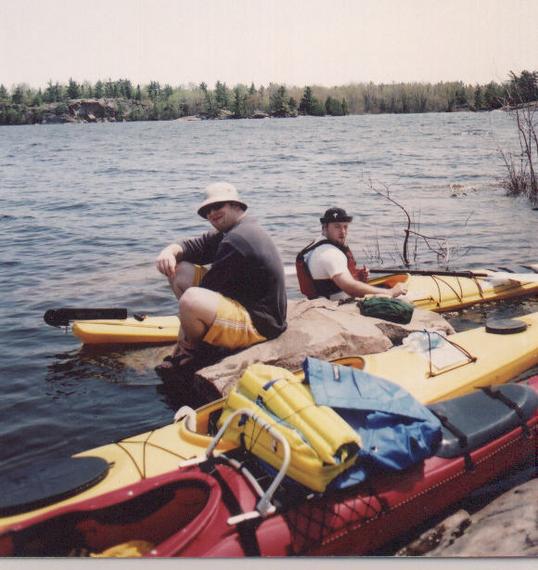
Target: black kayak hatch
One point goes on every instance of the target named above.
(42, 484)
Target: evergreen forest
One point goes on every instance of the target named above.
(120, 100)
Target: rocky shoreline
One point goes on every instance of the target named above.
(108, 111)
(500, 519)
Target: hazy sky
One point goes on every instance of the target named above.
(296, 42)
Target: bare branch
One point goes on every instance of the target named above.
(386, 195)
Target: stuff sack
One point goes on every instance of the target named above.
(396, 430)
(386, 308)
(322, 444)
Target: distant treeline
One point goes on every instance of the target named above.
(125, 101)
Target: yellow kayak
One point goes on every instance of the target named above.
(441, 293)
(470, 359)
(435, 292)
(151, 330)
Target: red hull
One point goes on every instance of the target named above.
(185, 512)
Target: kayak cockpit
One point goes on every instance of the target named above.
(125, 524)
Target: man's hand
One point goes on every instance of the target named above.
(167, 260)
(397, 290)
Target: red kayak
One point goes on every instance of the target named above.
(229, 506)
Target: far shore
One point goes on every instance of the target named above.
(113, 110)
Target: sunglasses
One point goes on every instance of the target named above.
(216, 206)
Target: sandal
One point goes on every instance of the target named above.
(171, 363)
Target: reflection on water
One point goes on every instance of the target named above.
(116, 365)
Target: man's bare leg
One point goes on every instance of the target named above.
(183, 278)
(197, 310)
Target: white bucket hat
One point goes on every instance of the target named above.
(220, 192)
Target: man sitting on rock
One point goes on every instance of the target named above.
(327, 267)
(241, 300)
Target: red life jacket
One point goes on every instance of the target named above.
(314, 288)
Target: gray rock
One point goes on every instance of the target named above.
(259, 115)
(499, 519)
(504, 526)
(323, 329)
(439, 537)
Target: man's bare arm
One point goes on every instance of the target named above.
(168, 259)
(356, 288)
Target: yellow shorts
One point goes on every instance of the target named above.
(232, 327)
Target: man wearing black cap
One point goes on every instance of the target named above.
(327, 267)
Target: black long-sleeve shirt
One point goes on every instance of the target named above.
(245, 266)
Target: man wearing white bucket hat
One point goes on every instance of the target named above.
(241, 300)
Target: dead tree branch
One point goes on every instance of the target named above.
(386, 195)
(522, 178)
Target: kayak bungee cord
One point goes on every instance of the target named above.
(464, 351)
(146, 443)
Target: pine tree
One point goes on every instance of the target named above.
(98, 89)
(492, 96)
(305, 106)
(127, 89)
(167, 92)
(478, 98)
(53, 93)
(154, 90)
(109, 89)
(37, 99)
(17, 96)
(239, 105)
(279, 102)
(208, 100)
(333, 107)
(523, 88)
(73, 89)
(318, 109)
(292, 105)
(221, 95)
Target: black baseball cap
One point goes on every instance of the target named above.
(335, 215)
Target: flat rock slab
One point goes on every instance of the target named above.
(322, 329)
(500, 519)
(506, 526)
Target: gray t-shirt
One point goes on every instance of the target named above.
(245, 266)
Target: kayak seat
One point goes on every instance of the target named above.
(40, 485)
(473, 420)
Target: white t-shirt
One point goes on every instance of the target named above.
(326, 261)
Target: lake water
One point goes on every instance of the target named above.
(86, 208)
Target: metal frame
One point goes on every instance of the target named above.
(264, 506)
